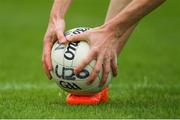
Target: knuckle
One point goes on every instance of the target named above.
(96, 70)
(106, 72)
(95, 51)
(61, 39)
(85, 62)
(60, 36)
(107, 69)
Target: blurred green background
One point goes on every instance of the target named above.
(148, 84)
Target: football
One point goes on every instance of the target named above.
(66, 57)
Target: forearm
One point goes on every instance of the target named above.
(115, 7)
(59, 9)
(134, 11)
(123, 39)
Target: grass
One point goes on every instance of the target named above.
(148, 83)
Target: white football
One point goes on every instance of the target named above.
(65, 58)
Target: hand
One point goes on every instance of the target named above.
(102, 43)
(54, 32)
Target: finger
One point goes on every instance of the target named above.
(46, 60)
(78, 37)
(61, 37)
(106, 70)
(114, 66)
(96, 70)
(46, 71)
(91, 56)
(47, 55)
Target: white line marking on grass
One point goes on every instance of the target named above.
(144, 85)
(26, 86)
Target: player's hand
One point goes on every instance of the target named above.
(54, 32)
(102, 43)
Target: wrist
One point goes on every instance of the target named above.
(55, 16)
(118, 28)
(60, 8)
(57, 13)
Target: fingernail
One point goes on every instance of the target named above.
(114, 74)
(76, 71)
(101, 84)
(50, 78)
(63, 42)
(88, 82)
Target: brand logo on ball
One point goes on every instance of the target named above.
(68, 85)
(70, 51)
(71, 48)
(76, 31)
(80, 30)
(68, 73)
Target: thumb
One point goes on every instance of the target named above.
(78, 37)
(61, 37)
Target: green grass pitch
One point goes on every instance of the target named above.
(148, 84)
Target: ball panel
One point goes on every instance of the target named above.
(69, 53)
(57, 53)
(83, 49)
